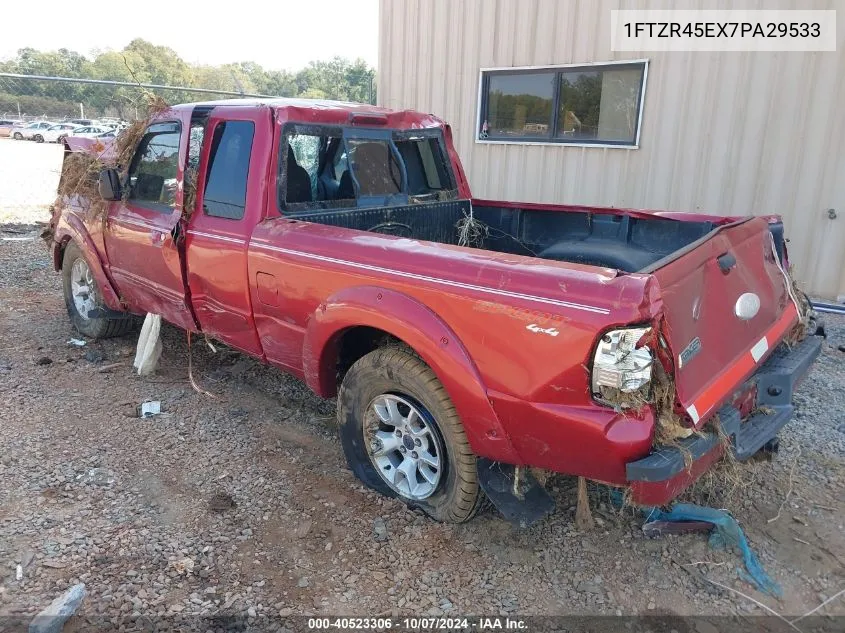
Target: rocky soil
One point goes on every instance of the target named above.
(241, 503)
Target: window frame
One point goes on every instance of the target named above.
(212, 155)
(158, 207)
(308, 129)
(351, 132)
(558, 69)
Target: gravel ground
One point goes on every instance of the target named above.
(242, 503)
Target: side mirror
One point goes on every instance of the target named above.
(109, 185)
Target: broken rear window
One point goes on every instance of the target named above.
(427, 172)
(316, 170)
(326, 167)
(374, 167)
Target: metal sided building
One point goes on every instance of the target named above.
(544, 111)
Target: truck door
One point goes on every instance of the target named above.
(144, 259)
(230, 201)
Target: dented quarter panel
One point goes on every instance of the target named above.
(480, 301)
(407, 319)
(579, 439)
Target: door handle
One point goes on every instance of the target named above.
(157, 237)
(726, 261)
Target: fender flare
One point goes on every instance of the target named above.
(428, 335)
(72, 228)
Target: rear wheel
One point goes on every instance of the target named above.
(18, 136)
(402, 436)
(82, 296)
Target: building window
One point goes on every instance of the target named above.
(593, 104)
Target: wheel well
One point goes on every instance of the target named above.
(357, 342)
(59, 253)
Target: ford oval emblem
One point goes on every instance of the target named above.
(747, 306)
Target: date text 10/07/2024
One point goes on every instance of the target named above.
(419, 624)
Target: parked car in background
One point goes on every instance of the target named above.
(7, 125)
(32, 131)
(58, 132)
(109, 134)
(112, 123)
(82, 121)
(89, 131)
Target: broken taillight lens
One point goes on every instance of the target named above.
(619, 363)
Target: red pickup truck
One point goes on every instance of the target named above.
(470, 343)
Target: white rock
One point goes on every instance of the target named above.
(53, 618)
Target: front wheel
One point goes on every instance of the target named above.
(83, 296)
(38, 138)
(402, 436)
(18, 136)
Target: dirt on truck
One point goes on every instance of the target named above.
(472, 344)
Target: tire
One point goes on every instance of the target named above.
(75, 271)
(397, 375)
(61, 139)
(18, 136)
(38, 138)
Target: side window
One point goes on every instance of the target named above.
(195, 139)
(154, 170)
(228, 169)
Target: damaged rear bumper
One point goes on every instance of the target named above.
(663, 474)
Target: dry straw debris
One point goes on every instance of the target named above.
(80, 170)
(805, 312)
(661, 394)
(720, 484)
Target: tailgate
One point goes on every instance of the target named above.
(716, 329)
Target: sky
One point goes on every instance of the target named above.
(285, 34)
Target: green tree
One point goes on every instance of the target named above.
(144, 62)
(280, 83)
(161, 64)
(338, 78)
